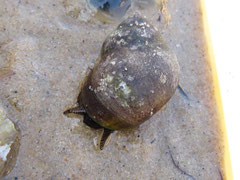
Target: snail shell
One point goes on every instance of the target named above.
(134, 76)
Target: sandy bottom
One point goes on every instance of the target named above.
(49, 46)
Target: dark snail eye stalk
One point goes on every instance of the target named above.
(89, 122)
(134, 77)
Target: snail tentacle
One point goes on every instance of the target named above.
(105, 137)
(76, 110)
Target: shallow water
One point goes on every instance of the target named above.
(49, 46)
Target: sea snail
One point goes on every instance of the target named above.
(133, 78)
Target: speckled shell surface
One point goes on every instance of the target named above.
(134, 77)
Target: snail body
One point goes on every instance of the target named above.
(134, 77)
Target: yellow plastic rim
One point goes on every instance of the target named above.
(226, 162)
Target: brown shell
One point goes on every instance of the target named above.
(134, 77)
